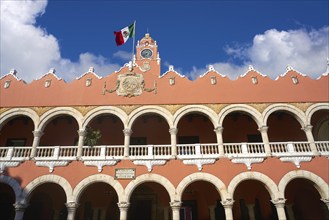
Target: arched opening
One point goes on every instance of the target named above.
(201, 201)
(110, 127)
(149, 201)
(7, 200)
(242, 122)
(47, 201)
(303, 201)
(253, 201)
(17, 132)
(60, 131)
(195, 128)
(320, 122)
(282, 126)
(150, 129)
(98, 201)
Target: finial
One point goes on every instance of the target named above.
(211, 68)
(289, 67)
(250, 67)
(13, 72)
(52, 70)
(91, 70)
(327, 64)
(130, 65)
(171, 68)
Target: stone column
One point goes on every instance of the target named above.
(82, 134)
(326, 201)
(263, 132)
(19, 210)
(219, 134)
(308, 131)
(251, 211)
(71, 210)
(173, 138)
(127, 132)
(175, 206)
(123, 206)
(36, 141)
(228, 205)
(279, 204)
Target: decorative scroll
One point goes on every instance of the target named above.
(130, 85)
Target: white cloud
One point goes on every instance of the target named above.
(124, 55)
(270, 53)
(32, 51)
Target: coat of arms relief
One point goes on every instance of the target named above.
(129, 85)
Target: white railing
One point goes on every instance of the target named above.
(322, 147)
(197, 150)
(15, 153)
(244, 149)
(102, 152)
(288, 148)
(56, 153)
(150, 151)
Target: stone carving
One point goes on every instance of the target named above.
(100, 163)
(52, 164)
(129, 85)
(199, 162)
(5, 164)
(150, 163)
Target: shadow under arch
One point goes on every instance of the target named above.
(180, 113)
(78, 190)
(320, 185)
(200, 176)
(148, 110)
(314, 108)
(150, 178)
(14, 185)
(8, 115)
(269, 184)
(49, 178)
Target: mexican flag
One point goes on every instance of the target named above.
(122, 36)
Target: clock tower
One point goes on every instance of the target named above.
(147, 56)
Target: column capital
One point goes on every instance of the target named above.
(227, 203)
(37, 133)
(123, 205)
(175, 204)
(127, 131)
(72, 205)
(173, 131)
(263, 128)
(307, 128)
(219, 129)
(20, 206)
(81, 132)
(279, 202)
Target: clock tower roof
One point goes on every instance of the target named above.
(147, 40)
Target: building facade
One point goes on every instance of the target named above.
(138, 144)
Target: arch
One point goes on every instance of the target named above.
(321, 186)
(7, 115)
(47, 116)
(150, 177)
(252, 112)
(195, 108)
(314, 108)
(200, 176)
(94, 179)
(104, 110)
(13, 184)
(150, 109)
(298, 114)
(49, 178)
(268, 183)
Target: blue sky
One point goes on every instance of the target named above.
(72, 35)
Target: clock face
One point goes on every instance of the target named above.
(146, 53)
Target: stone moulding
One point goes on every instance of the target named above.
(5, 164)
(52, 164)
(296, 159)
(199, 162)
(100, 163)
(150, 163)
(248, 161)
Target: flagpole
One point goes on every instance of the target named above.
(132, 57)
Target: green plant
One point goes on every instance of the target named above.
(92, 137)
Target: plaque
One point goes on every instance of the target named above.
(125, 173)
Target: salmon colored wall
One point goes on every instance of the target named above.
(184, 91)
(17, 128)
